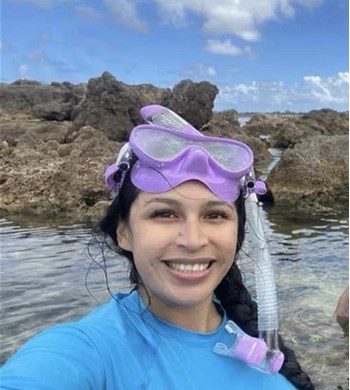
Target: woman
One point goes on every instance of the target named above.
(178, 217)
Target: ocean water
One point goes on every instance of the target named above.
(45, 273)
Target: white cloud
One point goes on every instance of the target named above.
(88, 13)
(172, 12)
(199, 71)
(312, 92)
(52, 65)
(330, 89)
(125, 13)
(22, 71)
(235, 70)
(2, 46)
(41, 3)
(44, 37)
(236, 17)
(211, 71)
(38, 57)
(38, 3)
(226, 47)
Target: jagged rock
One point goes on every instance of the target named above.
(41, 174)
(285, 130)
(53, 111)
(267, 124)
(314, 174)
(110, 106)
(223, 122)
(193, 101)
(51, 164)
(114, 107)
(36, 99)
(287, 134)
(326, 121)
(149, 94)
(226, 124)
(259, 118)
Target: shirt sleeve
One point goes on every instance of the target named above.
(63, 357)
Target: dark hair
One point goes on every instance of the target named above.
(232, 293)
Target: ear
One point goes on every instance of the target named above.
(124, 236)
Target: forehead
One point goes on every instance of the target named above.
(193, 193)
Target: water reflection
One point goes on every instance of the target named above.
(44, 267)
(43, 272)
(310, 253)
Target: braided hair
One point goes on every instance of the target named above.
(232, 293)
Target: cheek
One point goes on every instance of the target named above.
(144, 245)
(228, 242)
(149, 245)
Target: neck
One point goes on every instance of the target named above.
(202, 317)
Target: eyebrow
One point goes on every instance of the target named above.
(174, 202)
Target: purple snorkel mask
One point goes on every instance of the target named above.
(169, 156)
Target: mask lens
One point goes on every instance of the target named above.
(160, 145)
(163, 146)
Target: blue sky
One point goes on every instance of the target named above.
(263, 55)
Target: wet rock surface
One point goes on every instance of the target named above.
(56, 141)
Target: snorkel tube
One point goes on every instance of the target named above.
(264, 279)
(268, 357)
(162, 116)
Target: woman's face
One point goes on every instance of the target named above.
(183, 242)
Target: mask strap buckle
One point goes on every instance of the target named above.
(122, 166)
(249, 184)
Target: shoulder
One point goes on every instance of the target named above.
(57, 358)
(120, 315)
(74, 355)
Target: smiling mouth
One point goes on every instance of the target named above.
(188, 268)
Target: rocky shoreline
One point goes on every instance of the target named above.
(57, 139)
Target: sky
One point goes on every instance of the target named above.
(263, 55)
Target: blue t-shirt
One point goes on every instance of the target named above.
(122, 346)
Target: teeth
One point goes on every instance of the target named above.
(188, 267)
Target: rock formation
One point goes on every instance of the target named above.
(56, 140)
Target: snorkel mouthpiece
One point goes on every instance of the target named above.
(248, 349)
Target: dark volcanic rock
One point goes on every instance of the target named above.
(222, 124)
(42, 174)
(284, 131)
(49, 102)
(149, 94)
(194, 101)
(110, 106)
(323, 122)
(56, 141)
(226, 124)
(55, 110)
(314, 174)
(326, 121)
(114, 107)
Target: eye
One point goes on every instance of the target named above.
(163, 214)
(216, 215)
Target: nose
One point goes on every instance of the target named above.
(196, 161)
(192, 235)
